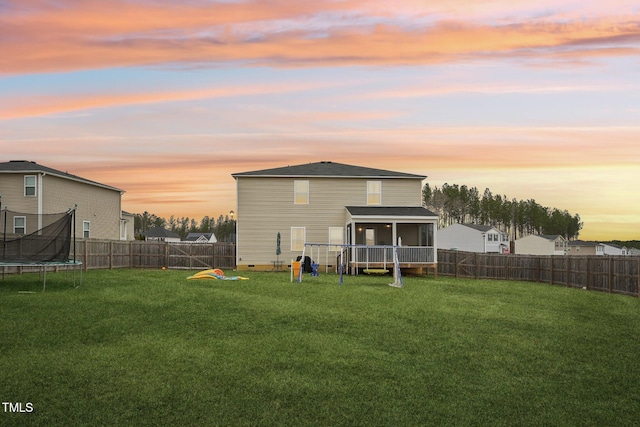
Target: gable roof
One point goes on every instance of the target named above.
(192, 237)
(24, 166)
(552, 237)
(478, 227)
(327, 169)
(583, 243)
(390, 211)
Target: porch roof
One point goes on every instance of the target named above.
(390, 211)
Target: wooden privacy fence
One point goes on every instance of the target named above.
(613, 274)
(108, 254)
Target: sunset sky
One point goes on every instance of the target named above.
(166, 99)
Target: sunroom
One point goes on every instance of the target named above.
(373, 231)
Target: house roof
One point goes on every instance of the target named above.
(390, 211)
(582, 243)
(24, 166)
(327, 169)
(550, 236)
(192, 237)
(478, 227)
(160, 232)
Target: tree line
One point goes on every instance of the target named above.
(223, 227)
(461, 204)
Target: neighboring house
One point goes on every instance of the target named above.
(127, 227)
(541, 244)
(330, 203)
(580, 247)
(159, 234)
(613, 249)
(201, 238)
(31, 188)
(473, 238)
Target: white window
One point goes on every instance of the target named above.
(29, 185)
(374, 193)
(86, 227)
(19, 224)
(300, 192)
(336, 237)
(297, 238)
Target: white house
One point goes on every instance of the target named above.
(613, 249)
(541, 244)
(473, 238)
(201, 238)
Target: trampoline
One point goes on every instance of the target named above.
(41, 267)
(38, 242)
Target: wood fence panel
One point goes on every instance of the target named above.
(598, 274)
(625, 281)
(619, 274)
(107, 254)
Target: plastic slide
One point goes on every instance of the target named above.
(215, 274)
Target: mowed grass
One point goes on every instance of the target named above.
(133, 347)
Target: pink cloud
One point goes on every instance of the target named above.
(111, 34)
(33, 106)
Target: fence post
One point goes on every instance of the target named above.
(610, 274)
(588, 274)
(86, 255)
(110, 254)
(568, 272)
(551, 268)
(475, 265)
(456, 265)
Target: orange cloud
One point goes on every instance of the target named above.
(573, 168)
(14, 108)
(111, 34)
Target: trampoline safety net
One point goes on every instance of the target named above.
(22, 240)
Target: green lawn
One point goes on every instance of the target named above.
(132, 347)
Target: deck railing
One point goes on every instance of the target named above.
(384, 255)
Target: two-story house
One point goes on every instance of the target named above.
(27, 187)
(582, 247)
(334, 204)
(473, 238)
(541, 244)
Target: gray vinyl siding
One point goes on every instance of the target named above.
(12, 191)
(534, 245)
(459, 237)
(265, 207)
(98, 205)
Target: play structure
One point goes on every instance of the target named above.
(38, 241)
(368, 259)
(214, 274)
